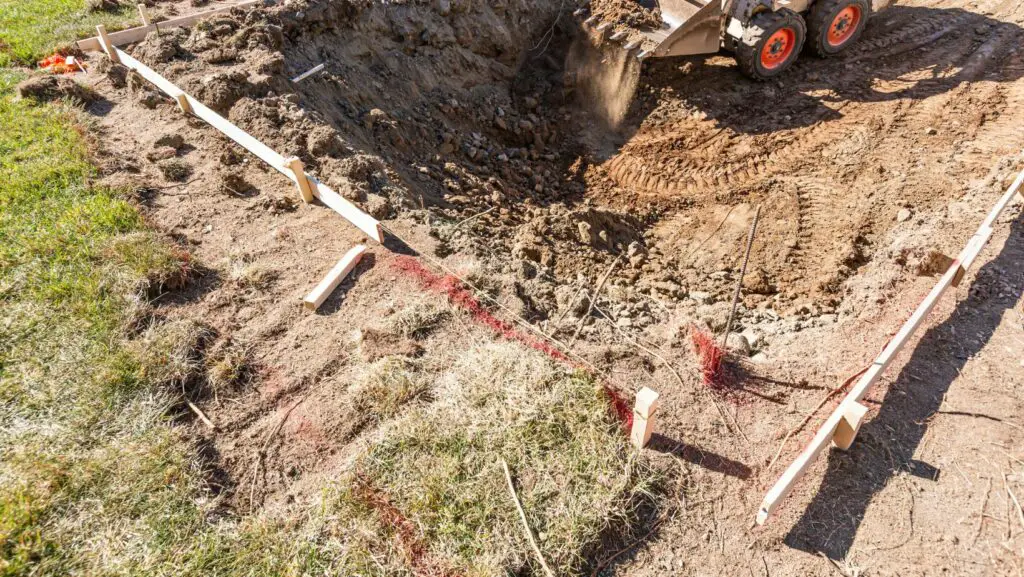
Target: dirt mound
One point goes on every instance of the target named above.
(51, 87)
(626, 12)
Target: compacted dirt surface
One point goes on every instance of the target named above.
(455, 124)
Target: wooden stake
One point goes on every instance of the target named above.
(107, 46)
(183, 104)
(309, 73)
(849, 426)
(295, 165)
(643, 417)
(334, 278)
(143, 14)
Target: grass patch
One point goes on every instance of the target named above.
(416, 320)
(94, 480)
(387, 386)
(31, 28)
(438, 465)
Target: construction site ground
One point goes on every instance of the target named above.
(454, 124)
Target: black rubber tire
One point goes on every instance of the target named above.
(820, 19)
(762, 26)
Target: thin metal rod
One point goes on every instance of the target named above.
(743, 274)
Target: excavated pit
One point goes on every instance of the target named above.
(473, 121)
(470, 119)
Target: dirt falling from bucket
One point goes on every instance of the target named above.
(606, 77)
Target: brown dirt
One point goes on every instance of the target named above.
(451, 121)
(628, 13)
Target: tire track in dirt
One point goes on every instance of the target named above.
(702, 167)
(813, 206)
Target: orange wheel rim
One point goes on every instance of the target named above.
(778, 48)
(844, 25)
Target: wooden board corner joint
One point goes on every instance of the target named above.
(104, 39)
(849, 426)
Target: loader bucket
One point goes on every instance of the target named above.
(688, 27)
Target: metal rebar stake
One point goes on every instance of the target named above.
(743, 274)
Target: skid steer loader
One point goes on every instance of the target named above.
(766, 36)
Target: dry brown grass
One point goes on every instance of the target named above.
(171, 353)
(438, 464)
(383, 388)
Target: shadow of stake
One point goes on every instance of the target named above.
(888, 441)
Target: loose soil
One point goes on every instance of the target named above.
(453, 123)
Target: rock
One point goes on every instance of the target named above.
(51, 87)
(162, 153)
(668, 287)
(585, 231)
(175, 141)
(375, 117)
(150, 99)
(756, 282)
(324, 141)
(903, 215)
(738, 344)
(701, 297)
(754, 338)
(931, 131)
(377, 206)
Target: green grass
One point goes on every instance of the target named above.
(31, 28)
(88, 463)
(94, 479)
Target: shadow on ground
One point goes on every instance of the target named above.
(887, 443)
